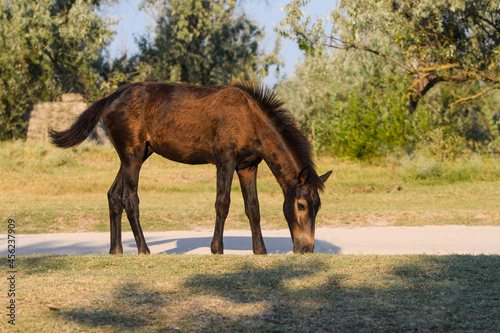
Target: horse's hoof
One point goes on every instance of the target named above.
(116, 250)
(217, 247)
(217, 250)
(144, 251)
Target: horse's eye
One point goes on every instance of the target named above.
(301, 206)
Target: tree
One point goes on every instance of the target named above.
(203, 42)
(431, 41)
(350, 104)
(47, 48)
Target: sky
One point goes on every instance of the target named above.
(267, 13)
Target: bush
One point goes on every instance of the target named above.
(354, 106)
(372, 121)
(350, 108)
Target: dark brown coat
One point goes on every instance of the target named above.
(234, 127)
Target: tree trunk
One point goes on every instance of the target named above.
(421, 88)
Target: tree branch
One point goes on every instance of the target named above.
(347, 46)
(426, 77)
(436, 68)
(492, 24)
(419, 92)
(481, 93)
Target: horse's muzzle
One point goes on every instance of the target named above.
(303, 246)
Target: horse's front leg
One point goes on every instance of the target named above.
(222, 202)
(248, 182)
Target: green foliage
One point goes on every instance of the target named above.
(475, 122)
(370, 120)
(203, 42)
(358, 114)
(398, 54)
(431, 41)
(428, 32)
(46, 48)
(361, 112)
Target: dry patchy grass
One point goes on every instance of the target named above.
(47, 189)
(288, 293)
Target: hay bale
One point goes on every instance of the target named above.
(60, 116)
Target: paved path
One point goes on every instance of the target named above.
(369, 240)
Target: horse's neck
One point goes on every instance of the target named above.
(281, 161)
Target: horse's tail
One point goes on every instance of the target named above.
(81, 128)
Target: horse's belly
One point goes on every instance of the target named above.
(184, 151)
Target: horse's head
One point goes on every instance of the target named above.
(301, 205)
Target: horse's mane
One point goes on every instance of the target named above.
(285, 124)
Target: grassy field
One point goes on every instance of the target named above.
(52, 190)
(286, 293)
(46, 189)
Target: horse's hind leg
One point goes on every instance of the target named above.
(123, 194)
(115, 214)
(130, 201)
(248, 182)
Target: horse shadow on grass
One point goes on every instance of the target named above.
(274, 245)
(311, 294)
(137, 306)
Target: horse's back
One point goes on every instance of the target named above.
(184, 123)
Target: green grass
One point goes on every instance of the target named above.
(46, 189)
(286, 293)
(53, 190)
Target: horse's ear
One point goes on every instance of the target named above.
(304, 175)
(325, 177)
